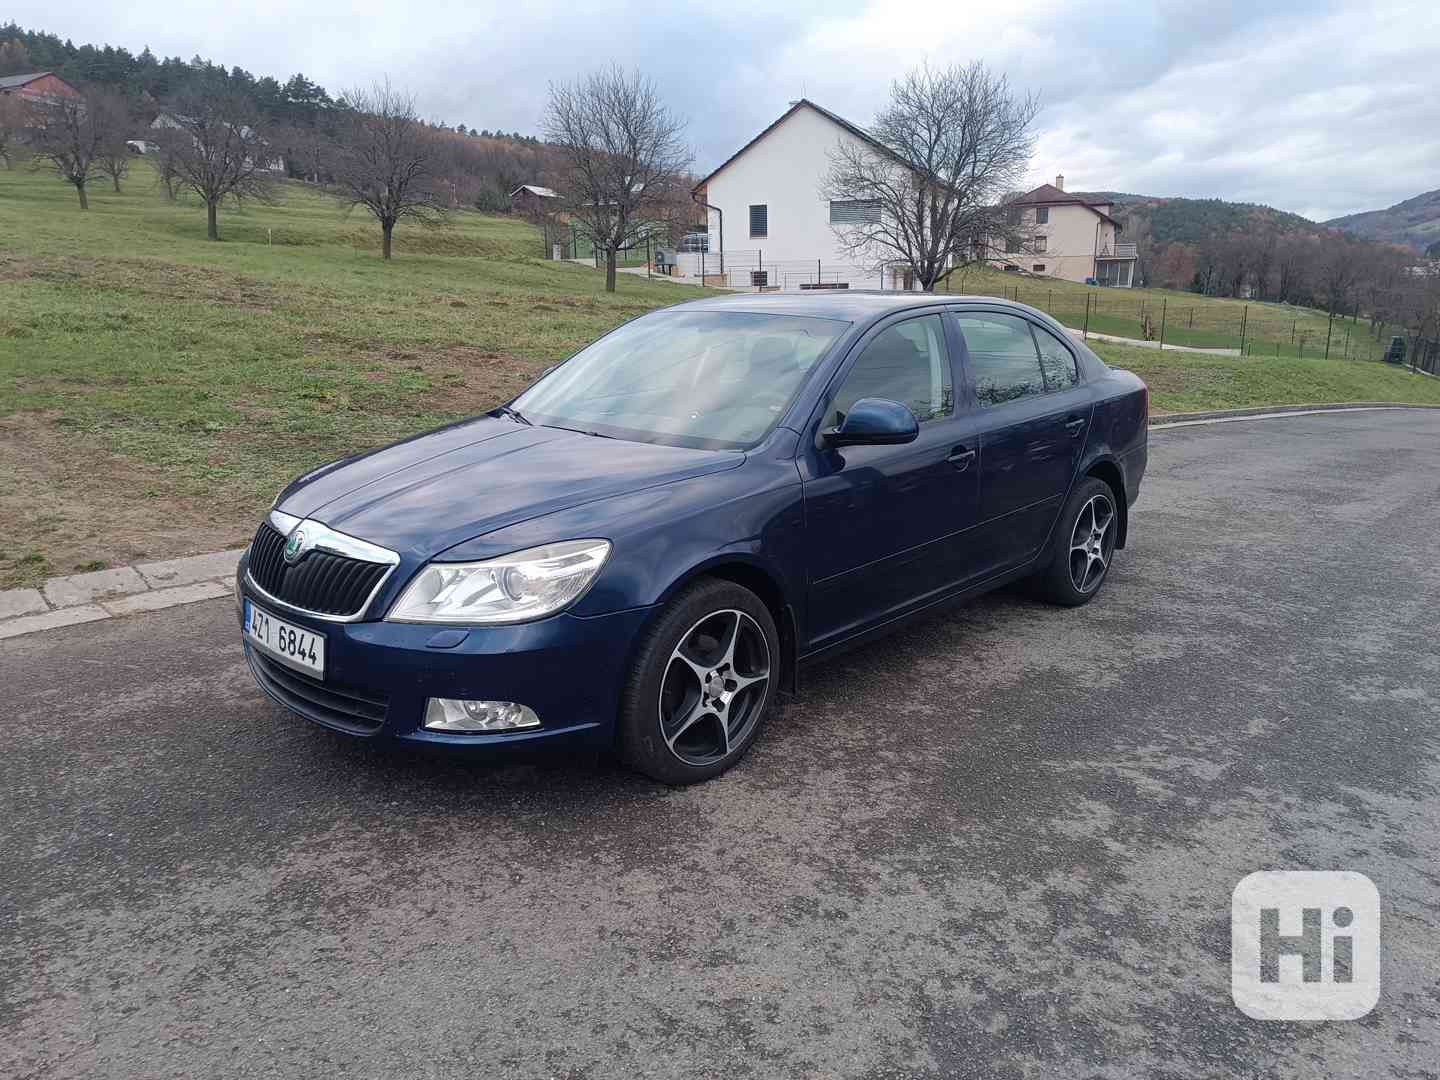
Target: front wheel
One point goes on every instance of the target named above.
(702, 684)
(1083, 546)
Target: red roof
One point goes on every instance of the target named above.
(1050, 195)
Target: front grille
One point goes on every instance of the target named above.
(334, 706)
(321, 581)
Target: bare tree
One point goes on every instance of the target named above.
(307, 144)
(384, 160)
(214, 149)
(165, 171)
(1261, 259)
(67, 135)
(1175, 266)
(115, 163)
(1232, 255)
(622, 157)
(113, 116)
(928, 187)
(1292, 263)
(13, 122)
(1339, 273)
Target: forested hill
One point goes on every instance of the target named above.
(1196, 221)
(1414, 222)
(145, 77)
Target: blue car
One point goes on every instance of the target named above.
(645, 547)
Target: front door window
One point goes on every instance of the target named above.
(906, 363)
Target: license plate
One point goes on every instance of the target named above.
(290, 644)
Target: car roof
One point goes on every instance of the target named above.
(852, 305)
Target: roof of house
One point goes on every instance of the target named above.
(9, 82)
(1050, 195)
(535, 189)
(853, 129)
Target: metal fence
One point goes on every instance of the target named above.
(1237, 327)
(1424, 355)
(752, 269)
(1166, 320)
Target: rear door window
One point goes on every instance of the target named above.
(1003, 359)
(1057, 362)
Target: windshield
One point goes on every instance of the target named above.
(714, 380)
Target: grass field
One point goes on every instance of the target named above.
(1194, 382)
(1265, 329)
(156, 389)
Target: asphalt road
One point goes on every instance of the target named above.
(999, 844)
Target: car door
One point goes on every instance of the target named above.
(881, 521)
(1032, 412)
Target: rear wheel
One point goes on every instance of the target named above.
(702, 684)
(1083, 546)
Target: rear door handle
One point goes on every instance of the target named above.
(961, 458)
(1075, 426)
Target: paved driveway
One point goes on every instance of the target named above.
(1001, 844)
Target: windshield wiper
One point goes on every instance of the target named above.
(579, 431)
(513, 414)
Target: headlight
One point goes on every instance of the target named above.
(514, 588)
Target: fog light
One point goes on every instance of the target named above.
(452, 714)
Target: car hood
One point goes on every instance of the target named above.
(431, 492)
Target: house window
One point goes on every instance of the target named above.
(1012, 245)
(1013, 216)
(1042, 215)
(1038, 268)
(1040, 243)
(759, 220)
(854, 211)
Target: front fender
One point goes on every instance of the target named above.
(660, 537)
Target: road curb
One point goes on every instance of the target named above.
(1271, 412)
(118, 591)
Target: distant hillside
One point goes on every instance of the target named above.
(1161, 220)
(1414, 222)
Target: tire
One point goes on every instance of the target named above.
(702, 684)
(1083, 545)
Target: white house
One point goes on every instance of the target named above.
(1068, 237)
(767, 212)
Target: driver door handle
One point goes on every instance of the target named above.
(961, 458)
(1075, 425)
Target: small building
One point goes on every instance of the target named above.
(1066, 236)
(44, 87)
(533, 199)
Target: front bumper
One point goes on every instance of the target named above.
(378, 675)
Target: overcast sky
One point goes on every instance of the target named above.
(1319, 108)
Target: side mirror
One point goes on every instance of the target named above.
(874, 422)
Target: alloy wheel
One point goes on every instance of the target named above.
(1092, 542)
(714, 687)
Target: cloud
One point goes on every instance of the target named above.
(1322, 109)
